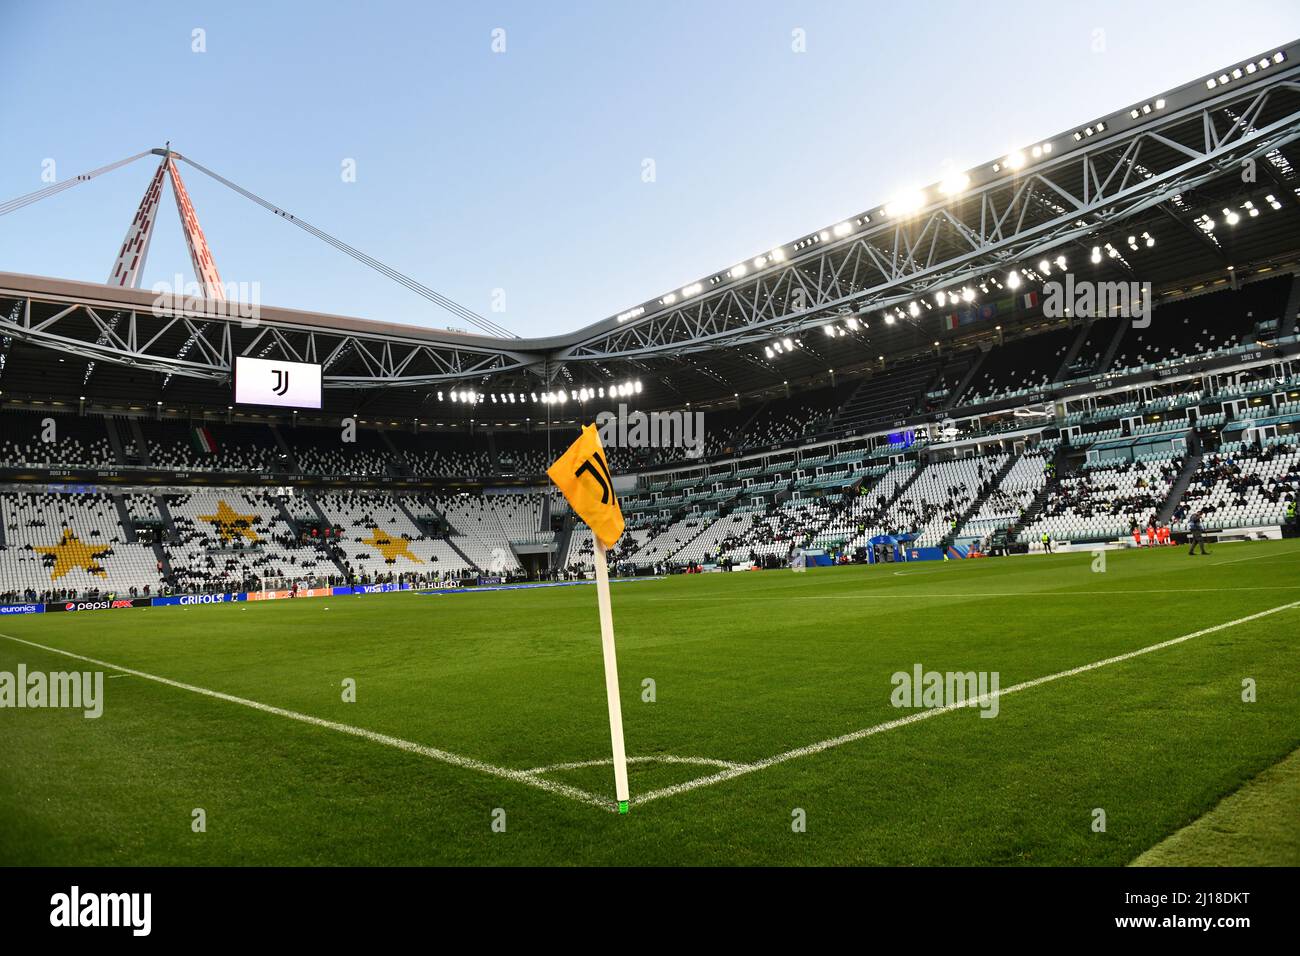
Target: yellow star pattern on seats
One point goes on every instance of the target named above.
(230, 523)
(391, 546)
(71, 552)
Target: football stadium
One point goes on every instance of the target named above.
(960, 531)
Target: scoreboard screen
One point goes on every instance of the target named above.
(273, 382)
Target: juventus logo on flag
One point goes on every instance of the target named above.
(596, 467)
(584, 477)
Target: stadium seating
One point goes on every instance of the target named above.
(1103, 503)
(376, 537)
(1009, 500)
(1097, 338)
(484, 525)
(1019, 367)
(762, 535)
(865, 515)
(889, 395)
(941, 494)
(57, 440)
(1240, 487)
(579, 557)
(1215, 324)
(765, 489)
(231, 539)
(245, 448)
(55, 543)
(673, 538)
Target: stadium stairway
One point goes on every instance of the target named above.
(901, 490)
(397, 465)
(887, 396)
(743, 428)
(115, 440)
(1072, 352)
(129, 532)
(562, 540)
(1036, 506)
(291, 459)
(137, 438)
(324, 520)
(982, 496)
(286, 516)
(172, 535)
(1191, 462)
(1109, 355)
(451, 534)
(166, 514)
(316, 510)
(704, 524)
(966, 379)
(410, 515)
(451, 543)
(161, 554)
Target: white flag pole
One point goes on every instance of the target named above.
(611, 678)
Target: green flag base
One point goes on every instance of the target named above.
(622, 806)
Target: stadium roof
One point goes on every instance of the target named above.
(1186, 186)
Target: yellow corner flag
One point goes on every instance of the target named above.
(582, 474)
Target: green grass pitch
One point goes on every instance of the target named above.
(745, 667)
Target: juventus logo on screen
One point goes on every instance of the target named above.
(277, 382)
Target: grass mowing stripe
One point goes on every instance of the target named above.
(912, 718)
(443, 756)
(883, 595)
(1253, 826)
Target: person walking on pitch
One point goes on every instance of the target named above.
(1197, 537)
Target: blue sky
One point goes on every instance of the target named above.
(521, 171)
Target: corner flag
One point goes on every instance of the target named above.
(582, 474)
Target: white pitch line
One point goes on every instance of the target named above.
(920, 715)
(433, 753)
(1255, 557)
(892, 595)
(661, 758)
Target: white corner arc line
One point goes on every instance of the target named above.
(920, 715)
(654, 758)
(409, 746)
